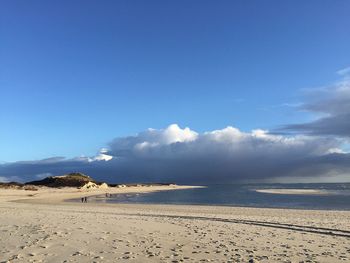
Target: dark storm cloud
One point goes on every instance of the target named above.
(184, 156)
(333, 103)
(338, 125)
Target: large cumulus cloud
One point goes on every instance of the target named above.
(181, 155)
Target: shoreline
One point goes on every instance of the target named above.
(47, 195)
(101, 199)
(71, 195)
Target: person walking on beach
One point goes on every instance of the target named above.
(85, 199)
(82, 199)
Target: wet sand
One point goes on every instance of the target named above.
(294, 191)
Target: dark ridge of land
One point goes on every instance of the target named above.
(68, 180)
(75, 179)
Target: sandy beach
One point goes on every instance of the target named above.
(38, 226)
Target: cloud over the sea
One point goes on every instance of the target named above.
(182, 155)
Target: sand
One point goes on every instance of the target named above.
(37, 226)
(294, 191)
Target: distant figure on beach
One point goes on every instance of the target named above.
(85, 199)
(82, 199)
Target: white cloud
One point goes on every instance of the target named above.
(336, 150)
(172, 134)
(174, 141)
(102, 156)
(344, 71)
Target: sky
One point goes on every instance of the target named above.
(79, 76)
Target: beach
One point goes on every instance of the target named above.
(40, 226)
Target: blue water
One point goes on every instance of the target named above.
(337, 196)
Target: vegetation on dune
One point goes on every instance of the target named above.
(71, 180)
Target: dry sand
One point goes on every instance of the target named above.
(39, 227)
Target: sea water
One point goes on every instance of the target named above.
(330, 196)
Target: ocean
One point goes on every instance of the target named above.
(330, 196)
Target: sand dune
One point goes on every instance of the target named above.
(40, 227)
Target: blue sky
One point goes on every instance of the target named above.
(76, 74)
